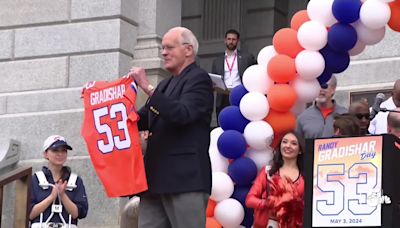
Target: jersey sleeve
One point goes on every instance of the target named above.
(130, 94)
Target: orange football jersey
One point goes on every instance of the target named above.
(110, 131)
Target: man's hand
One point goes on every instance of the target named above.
(140, 77)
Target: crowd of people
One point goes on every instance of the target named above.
(176, 119)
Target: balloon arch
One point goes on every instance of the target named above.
(289, 74)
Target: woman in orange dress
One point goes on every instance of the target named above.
(277, 193)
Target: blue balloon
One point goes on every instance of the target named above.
(242, 171)
(231, 144)
(342, 37)
(324, 78)
(240, 194)
(231, 118)
(236, 94)
(248, 218)
(335, 62)
(346, 11)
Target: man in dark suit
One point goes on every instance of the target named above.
(177, 116)
(231, 67)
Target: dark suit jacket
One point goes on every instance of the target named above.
(177, 159)
(244, 60)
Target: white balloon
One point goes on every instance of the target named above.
(309, 64)
(266, 54)
(229, 213)
(298, 108)
(321, 10)
(306, 91)
(214, 135)
(256, 79)
(222, 186)
(312, 35)
(369, 36)
(254, 106)
(218, 162)
(357, 49)
(258, 134)
(374, 14)
(260, 157)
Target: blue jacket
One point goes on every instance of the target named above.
(78, 196)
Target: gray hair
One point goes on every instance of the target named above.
(333, 81)
(188, 37)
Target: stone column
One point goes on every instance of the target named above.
(156, 17)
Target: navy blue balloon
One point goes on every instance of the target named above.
(231, 144)
(335, 62)
(236, 94)
(230, 118)
(346, 11)
(248, 218)
(240, 194)
(324, 78)
(242, 171)
(342, 37)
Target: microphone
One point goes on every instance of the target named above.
(380, 97)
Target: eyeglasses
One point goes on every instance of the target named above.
(361, 115)
(169, 48)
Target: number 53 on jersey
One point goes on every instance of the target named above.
(110, 131)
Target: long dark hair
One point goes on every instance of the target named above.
(277, 161)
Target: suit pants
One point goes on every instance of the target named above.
(221, 103)
(175, 210)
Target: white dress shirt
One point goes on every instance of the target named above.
(378, 125)
(231, 70)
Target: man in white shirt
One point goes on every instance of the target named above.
(379, 124)
(231, 67)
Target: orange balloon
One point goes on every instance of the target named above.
(281, 68)
(281, 122)
(394, 22)
(298, 19)
(281, 97)
(285, 42)
(210, 208)
(212, 223)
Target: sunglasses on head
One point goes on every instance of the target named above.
(361, 115)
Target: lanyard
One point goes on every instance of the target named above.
(230, 66)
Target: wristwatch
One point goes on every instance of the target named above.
(150, 88)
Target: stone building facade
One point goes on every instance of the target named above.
(49, 49)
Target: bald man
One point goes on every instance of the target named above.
(379, 124)
(360, 110)
(393, 122)
(177, 116)
(317, 120)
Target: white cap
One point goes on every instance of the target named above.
(55, 141)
